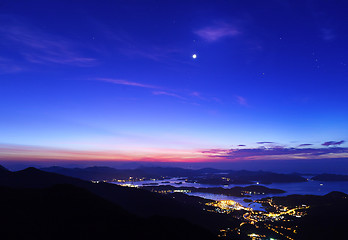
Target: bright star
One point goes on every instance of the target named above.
(194, 56)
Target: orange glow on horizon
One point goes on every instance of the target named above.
(31, 153)
(35, 153)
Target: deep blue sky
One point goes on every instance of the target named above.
(116, 79)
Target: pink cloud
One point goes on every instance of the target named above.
(216, 151)
(215, 33)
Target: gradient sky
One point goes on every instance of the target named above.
(115, 80)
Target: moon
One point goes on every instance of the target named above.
(194, 56)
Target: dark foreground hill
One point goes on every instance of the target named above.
(136, 201)
(68, 212)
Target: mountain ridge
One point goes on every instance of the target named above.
(136, 201)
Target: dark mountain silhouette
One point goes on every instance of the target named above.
(137, 201)
(330, 177)
(205, 175)
(93, 173)
(3, 169)
(68, 212)
(247, 177)
(108, 173)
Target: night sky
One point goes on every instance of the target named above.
(185, 81)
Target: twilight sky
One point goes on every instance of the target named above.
(116, 80)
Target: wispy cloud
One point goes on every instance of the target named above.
(327, 34)
(305, 145)
(188, 96)
(200, 96)
(8, 66)
(127, 83)
(168, 94)
(149, 52)
(160, 90)
(37, 46)
(196, 94)
(332, 143)
(276, 153)
(216, 151)
(264, 142)
(216, 32)
(133, 47)
(242, 101)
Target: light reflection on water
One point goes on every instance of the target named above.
(309, 187)
(219, 197)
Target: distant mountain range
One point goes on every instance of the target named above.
(108, 173)
(205, 175)
(330, 178)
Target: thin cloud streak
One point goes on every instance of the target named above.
(276, 153)
(8, 66)
(327, 34)
(131, 47)
(168, 94)
(242, 101)
(332, 143)
(305, 145)
(127, 83)
(183, 95)
(153, 53)
(39, 47)
(215, 151)
(217, 32)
